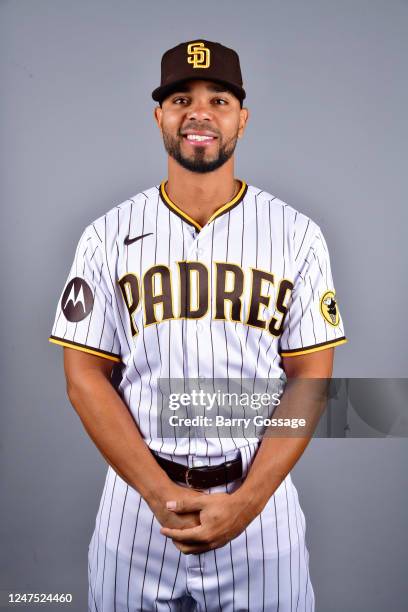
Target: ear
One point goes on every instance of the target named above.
(243, 118)
(158, 113)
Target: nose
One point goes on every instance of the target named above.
(199, 110)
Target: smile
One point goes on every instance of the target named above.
(198, 138)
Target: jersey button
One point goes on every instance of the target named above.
(199, 326)
(199, 252)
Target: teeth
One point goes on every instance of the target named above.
(199, 138)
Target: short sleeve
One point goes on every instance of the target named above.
(84, 319)
(313, 321)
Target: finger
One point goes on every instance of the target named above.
(191, 534)
(193, 550)
(189, 504)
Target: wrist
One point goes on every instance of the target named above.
(162, 491)
(252, 499)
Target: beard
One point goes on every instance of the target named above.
(197, 162)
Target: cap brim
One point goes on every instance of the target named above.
(160, 93)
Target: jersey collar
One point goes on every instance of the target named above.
(223, 209)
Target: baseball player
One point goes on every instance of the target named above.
(199, 278)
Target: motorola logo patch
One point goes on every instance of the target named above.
(77, 301)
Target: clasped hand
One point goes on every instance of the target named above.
(222, 518)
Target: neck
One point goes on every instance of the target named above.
(200, 195)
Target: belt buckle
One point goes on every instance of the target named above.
(189, 474)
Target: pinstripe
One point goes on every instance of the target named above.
(157, 327)
(277, 546)
(218, 578)
(147, 561)
(113, 287)
(117, 545)
(129, 226)
(202, 582)
(115, 331)
(232, 566)
(313, 327)
(183, 323)
(97, 539)
(103, 325)
(233, 578)
(210, 324)
(175, 578)
(256, 265)
(133, 547)
(94, 296)
(215, 553)
(96, 232)
(318, 236)
(301, 320)
(140, 390)
(242, 259)
(256, 253)
(304, 236)
(98, 531)
(143, 336)
(247, 560)
(169, 322)
(298, 547)
(263, 563)
(246, 338)
(247, 556)
(106, 538)
(90, 587)
(270, 269)
(161, 570)
(305, 560)
(290, 542)
(223, 323)
(317, 259)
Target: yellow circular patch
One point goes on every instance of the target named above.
(329, 309)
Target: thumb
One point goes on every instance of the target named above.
(191, 504)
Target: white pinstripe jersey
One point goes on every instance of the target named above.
(152, 289)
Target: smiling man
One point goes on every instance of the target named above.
(200, 279)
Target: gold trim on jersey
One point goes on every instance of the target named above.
(223, 209)
(241, 192)
(314, 349)
(86, 349)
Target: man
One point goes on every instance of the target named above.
(203, 278)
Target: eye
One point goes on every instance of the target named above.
(180, 100)
(220, 101)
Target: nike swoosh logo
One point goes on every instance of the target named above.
(128, 240)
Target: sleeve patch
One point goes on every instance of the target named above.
(77, 300)
(329, 309)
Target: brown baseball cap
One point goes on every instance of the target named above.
(199, 59)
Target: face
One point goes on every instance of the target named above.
(200, 124)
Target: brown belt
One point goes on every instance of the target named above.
(202, 477)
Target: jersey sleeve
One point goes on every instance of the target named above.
(85, 319)
(313, 321)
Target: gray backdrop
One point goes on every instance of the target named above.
(327, 92)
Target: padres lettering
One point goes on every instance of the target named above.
(198, 55)
(156, 291)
